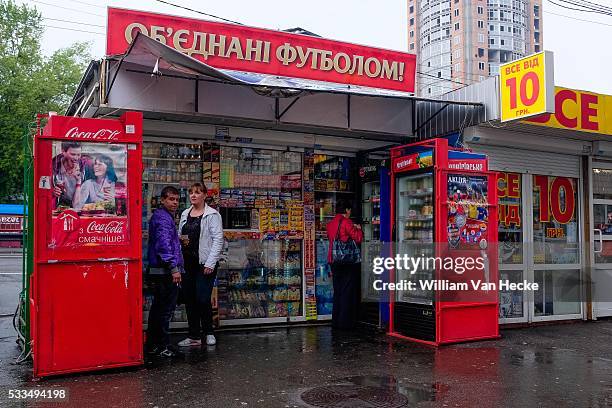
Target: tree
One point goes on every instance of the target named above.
(30, 83)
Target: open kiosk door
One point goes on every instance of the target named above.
(86, 289)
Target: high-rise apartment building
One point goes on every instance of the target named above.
(463, 41)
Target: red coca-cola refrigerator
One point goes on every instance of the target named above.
(444, 217)
(86, 286)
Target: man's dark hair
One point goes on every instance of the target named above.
(168, 190)
(342, 206)
(70, 145)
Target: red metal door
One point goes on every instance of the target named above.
(86, 293)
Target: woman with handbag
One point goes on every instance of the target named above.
(344, 258)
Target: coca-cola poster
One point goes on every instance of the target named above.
(89, 194)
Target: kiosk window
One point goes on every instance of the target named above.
(555, 225)
(602, 184)
(510, 231)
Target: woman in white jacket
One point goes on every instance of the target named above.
(201, 231)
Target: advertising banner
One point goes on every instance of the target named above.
(578, 110)
(527, 87)
(89, 194)
(242, 48)
(467, 211)
(413, 161)
(11, 224)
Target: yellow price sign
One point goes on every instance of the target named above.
(527, 87)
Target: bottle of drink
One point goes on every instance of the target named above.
(120, 200)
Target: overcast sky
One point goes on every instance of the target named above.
(583, 49)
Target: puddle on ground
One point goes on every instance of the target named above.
(414, 392)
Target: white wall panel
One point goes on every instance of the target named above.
(381, 114)
(145, 92)
(319, 109)
(236, 101)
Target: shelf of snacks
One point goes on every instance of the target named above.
(160, 171)
(258, 277)
(334, 192)
(246, 310)
(261, 190)
(172, 151)
(168, 159)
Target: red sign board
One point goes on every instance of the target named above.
(94, 130)
(405, 163)
(70, 230)
(236, 47)
(468, 164)
(11, 223)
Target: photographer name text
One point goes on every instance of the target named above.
(447, 285)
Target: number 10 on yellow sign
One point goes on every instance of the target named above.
(527, 87)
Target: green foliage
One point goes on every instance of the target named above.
(30, 83)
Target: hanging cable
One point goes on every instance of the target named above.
(66, 8)
(577, 19)
(199, 12)
(440, 78)
(586, 8)
(73, 22)
(72, 29)
(88, 4)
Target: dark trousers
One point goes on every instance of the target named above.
(346, 296)
(197, 290)
(165, 293)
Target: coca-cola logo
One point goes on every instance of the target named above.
(100, 134)
(111, 227)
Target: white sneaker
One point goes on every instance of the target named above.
(188, 342)
(210, 340)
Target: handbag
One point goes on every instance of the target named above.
(345, 253)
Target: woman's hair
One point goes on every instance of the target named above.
(110, 167)
(342, 206)
(198, 186)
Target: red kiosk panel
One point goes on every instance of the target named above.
(87, 283)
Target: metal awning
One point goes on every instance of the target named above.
(146, 51)
(283, 103)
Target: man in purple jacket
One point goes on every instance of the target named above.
(165, 269)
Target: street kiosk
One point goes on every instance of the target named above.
(444, 211)
(86, 286)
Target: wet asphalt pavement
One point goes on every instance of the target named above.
(566, 365)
